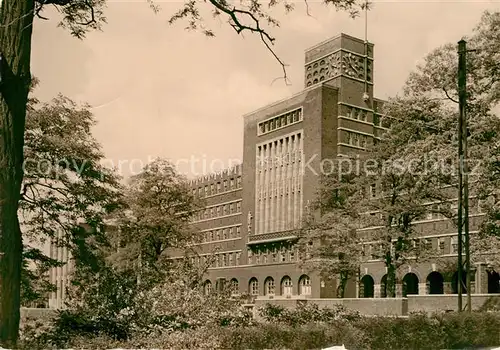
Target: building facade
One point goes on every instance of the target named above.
(253, 209)
(59, 276)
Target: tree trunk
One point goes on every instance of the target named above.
(343, 278)
(391, 281)
(16, 21)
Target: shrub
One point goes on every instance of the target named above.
(418, 331)
(463, 330)
(306, 313)
(33, 333)
(280, 336)
(491, 304)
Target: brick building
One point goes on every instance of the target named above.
(253, 208)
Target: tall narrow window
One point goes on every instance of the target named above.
(208, 287)
(305, 285)
(253, 287)
(454, 244)
(235, 286)
(373, 190)
(349, 138)
(286, 286)
(441, 245)
(269, 286)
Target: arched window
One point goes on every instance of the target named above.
(493, 282)
(304, 285)
(410, 284)
(253, 286)
(435, 283)
(366, 287)
(269, 286)
(286, 286)
(207, 287)
(235, 287)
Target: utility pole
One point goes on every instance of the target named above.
(463, 182)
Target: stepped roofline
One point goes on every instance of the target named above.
(222, 174)
(341, 35)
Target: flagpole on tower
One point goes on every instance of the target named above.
(366, 21)
(366, 96)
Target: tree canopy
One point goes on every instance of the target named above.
(411, 173)
(65, 188)
(78, 16)
(159, 207)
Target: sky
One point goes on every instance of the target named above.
(158, 90)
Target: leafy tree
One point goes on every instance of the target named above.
(160, 205)
(64, 187)
(408, 176)
(436, 79)
(338, 254)
(78, 16)
(112, 304)
(35, 284)
(413, 169)
(336, 251)
(377, 209)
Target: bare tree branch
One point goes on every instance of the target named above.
(239, 27)
(449, 97)
(307, 8)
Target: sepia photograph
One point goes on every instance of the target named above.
(250, 174)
